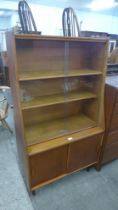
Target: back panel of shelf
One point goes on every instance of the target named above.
(88, 55)
(40, 58)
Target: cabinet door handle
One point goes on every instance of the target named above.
(70, 138)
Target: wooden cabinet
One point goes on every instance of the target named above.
(110, 141)
(84, 152)
(58, 92)
(48, 165)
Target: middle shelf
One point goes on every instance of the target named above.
(57, 99)
(34, 94)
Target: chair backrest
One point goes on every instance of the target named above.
(2, 72)
(70, 23)
(26, 18)
(3, 108)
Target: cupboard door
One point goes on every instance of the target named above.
(84, 152)
(48, 165)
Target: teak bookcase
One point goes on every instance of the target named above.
(58, 92)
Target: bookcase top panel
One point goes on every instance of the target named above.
(61, 38)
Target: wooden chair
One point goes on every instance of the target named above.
(70, 23)
(26, 18)
(4, 111)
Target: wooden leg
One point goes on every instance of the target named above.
(88, 169)
(5, 124)
(34, 192)
(98, 167)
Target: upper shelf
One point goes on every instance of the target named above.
(46, 74)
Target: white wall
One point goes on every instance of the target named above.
(49, 20)
(5, 23)
(98, 22)
(14, 19)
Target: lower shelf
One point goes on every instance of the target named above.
(37, 133)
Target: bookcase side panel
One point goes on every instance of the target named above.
(21, 144)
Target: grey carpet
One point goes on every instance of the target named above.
(81, 191)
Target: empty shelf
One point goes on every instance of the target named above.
(48, 74)
(44, 131)
(57, 99)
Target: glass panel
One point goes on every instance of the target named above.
(42, 90)
(44, 123)
(60, 86)
(84, 89)
(40, 59)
